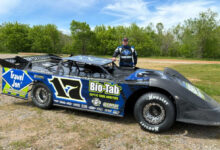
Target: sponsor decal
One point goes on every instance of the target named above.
(66, 88)
(108, 110)
(110, 105)
(63, 102)
(192, 88)
(106, 88)
(116, 112)
(17, 79)
(69, 103)
(92, 108)
(56, 101)
(126, 52)
(39, 76)
(103, 96)
(15, 82)
(99, 109)
(11, 91)
(96, 102)
(76, 104)
(84, 106)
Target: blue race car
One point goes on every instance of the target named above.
(157, 98)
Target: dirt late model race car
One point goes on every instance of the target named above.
(158, 98)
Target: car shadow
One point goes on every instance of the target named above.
(194, 131)
(179, 129)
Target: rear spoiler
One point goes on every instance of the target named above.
(21, 62)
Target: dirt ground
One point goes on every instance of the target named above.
(24, 126)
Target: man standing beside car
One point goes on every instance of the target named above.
(127, 54)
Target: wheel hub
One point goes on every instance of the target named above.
(154, 113)
(41, 95)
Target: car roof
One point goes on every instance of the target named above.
(89, 59)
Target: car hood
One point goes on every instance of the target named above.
(145, 74)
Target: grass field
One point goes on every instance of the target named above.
(24, 126)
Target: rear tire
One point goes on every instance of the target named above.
(155, 112)
(42, 96)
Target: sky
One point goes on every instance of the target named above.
(106, 12)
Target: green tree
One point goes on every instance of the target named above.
(196, 37)
(52, 31)
(45, 39)
(200, 36)
(14, 37)
(160, 28)
(141, 39)
(66, 43)
(82, 36)
(107, 39)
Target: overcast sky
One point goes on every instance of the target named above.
(107, 12)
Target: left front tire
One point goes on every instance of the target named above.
(155, 112)
(42, 96)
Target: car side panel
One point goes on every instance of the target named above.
(102, 96)
(97, 95)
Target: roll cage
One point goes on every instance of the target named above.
(84, 69)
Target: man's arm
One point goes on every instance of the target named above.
(134, 55)
(116, 53)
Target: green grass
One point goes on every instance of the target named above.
(38, 110)
(20, 145)
(6, 52)
(182, 58)
(207, 77)
(24, 143)
(168, 57)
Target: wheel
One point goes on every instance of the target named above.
(154, 112)
(42, 96)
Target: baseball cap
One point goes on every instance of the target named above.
(125, 39)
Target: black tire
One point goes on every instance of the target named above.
(42, 96)
(155, 112)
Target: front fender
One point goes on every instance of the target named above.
(190, 108)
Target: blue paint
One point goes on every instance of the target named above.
(134, 76)
(17, 79)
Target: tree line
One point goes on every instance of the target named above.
(195, 38)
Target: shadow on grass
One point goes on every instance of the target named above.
(194, 131)
(179, 129)
(128, 119)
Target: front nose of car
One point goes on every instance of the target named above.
(205, 113)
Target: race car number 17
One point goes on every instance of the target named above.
(67, 88)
